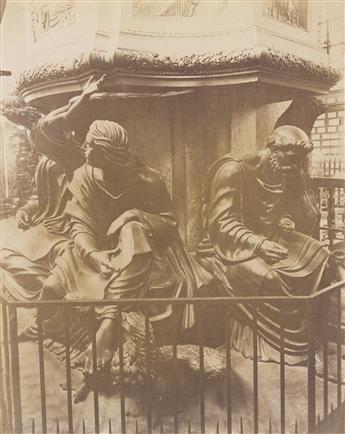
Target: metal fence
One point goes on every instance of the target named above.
(11, 375)
(330, 195)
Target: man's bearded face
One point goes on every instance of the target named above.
(287, 159)
(289, 147)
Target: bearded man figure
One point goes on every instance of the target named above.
(125, 239)
(258, 215)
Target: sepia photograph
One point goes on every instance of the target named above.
(172, 217)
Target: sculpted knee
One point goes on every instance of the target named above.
(132, 229)
(133, 226)
(51, 289)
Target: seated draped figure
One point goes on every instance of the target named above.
(125, 239)
(104, 227)
(258, 216)
(28, 251)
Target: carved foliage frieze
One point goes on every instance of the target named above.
(145, 63)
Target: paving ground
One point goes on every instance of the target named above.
(242, 400)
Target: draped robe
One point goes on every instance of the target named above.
(148, 254)
(240, 211)
(28, 256)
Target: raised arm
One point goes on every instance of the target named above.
(64, 119)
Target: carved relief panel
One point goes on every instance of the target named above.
(177, 8)
(46, 16)
(291, 12)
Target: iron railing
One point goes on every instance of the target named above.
(330, 195)
(11, 375)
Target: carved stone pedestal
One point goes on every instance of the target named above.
(233, 60)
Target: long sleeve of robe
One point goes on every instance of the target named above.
(240, 211)
(233, 240)
(146, 252)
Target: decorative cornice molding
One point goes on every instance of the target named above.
(221, 62)
(183, 34)
(64, 69)
(130, 63)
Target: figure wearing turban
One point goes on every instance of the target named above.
(125, 239)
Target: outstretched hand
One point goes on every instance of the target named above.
(93, 86)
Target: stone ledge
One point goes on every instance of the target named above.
(131, 63)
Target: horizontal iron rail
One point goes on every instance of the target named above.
(182, 300)
(332, 228)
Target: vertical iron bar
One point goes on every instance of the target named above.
(296, 427)
(33, 429)
(228, 376)
(174, 385)
(15, 371)
(148, 373)
(122, 389)
(67, 318)
(217, 427)
(84, 427)
(189, 427)
(270, 426)
(320, 208)
(331, 216)
(3, 396)
(202, 374)
(136, 427)
(311, 369)
(42, 371)
(7, 363)
(325, 360)
(339, 379)
(95, 370)
(57, 426)
(110, 430)
(255, 370)
(241, 425)
(282, 371)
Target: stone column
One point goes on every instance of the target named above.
(252, 118)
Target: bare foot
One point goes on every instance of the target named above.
(105, 344)
(81, 393)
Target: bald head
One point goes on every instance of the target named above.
(288, 136)
(289, 148)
